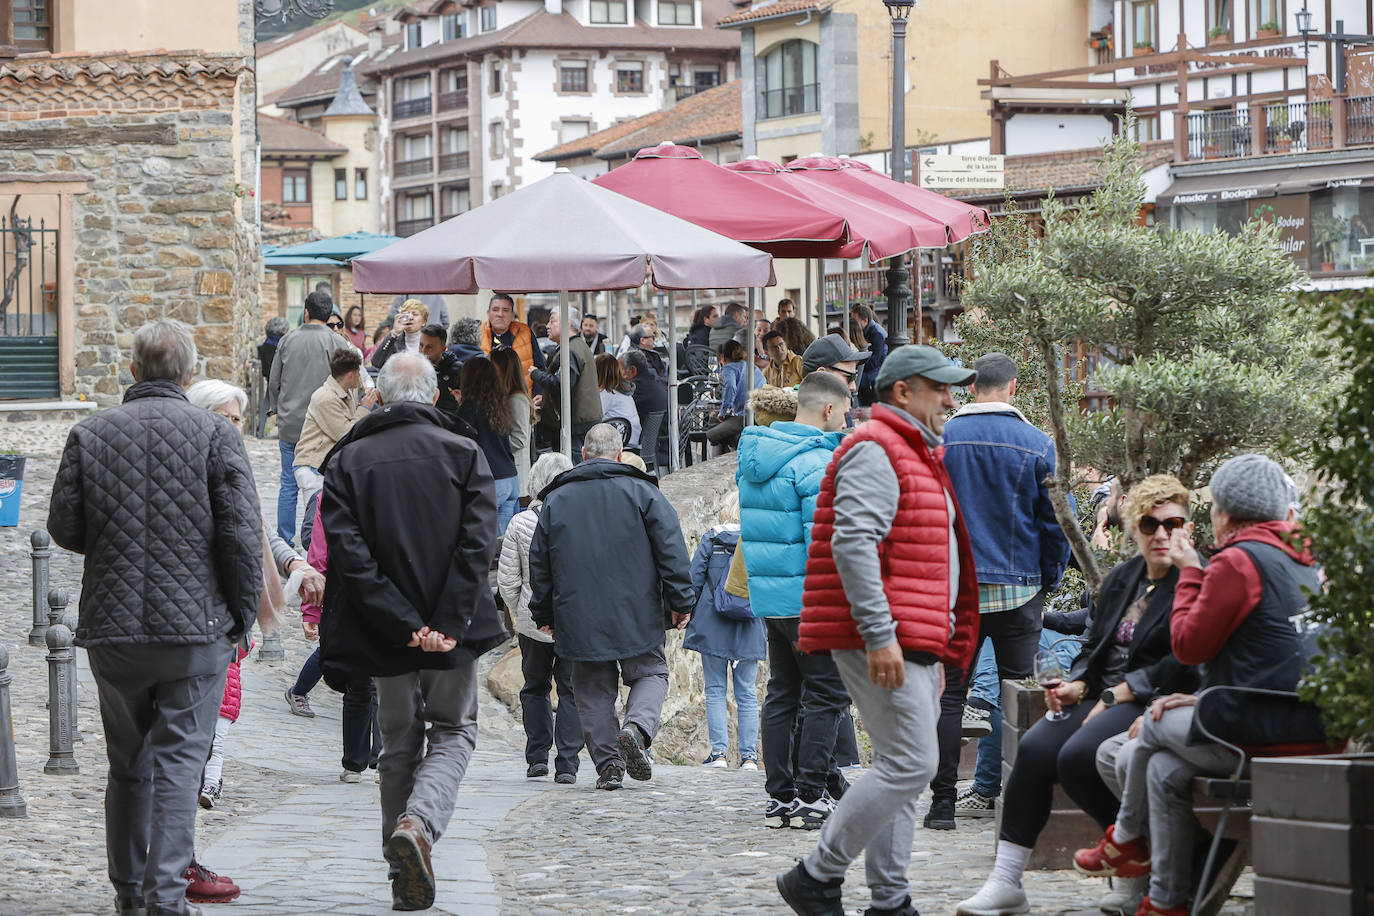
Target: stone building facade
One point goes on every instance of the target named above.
(146, 161)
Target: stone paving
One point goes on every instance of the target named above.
(299, 841)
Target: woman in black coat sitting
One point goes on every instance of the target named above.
(1126, 661)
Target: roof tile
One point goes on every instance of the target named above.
(709, 115)
(279, 135)
(1063, 170)
(768, 10)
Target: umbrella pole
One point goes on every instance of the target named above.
(820, 286)
(749, 370)
(848, 302)
(806, 308)
(672, 387)
(565, 374)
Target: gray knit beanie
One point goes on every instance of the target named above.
(1251, 488)
(465, 331)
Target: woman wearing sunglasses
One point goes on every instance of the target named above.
(1126, 661)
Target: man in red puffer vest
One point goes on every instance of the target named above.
(891, 593)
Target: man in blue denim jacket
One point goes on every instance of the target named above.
(998, 463)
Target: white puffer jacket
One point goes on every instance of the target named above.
(513, 572)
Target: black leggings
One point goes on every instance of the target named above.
(1062, 752)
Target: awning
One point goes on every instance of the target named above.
(1298, 179)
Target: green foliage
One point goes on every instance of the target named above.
(1342, 530)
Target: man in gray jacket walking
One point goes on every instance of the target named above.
(159, 497)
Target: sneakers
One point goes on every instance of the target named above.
(1147, 908)
(997, 897)
(1125, 896)
(749, 763)
(536, 770)
(299, 705)
(1108, 859)
(637, 762)
(810, 815)
(611, 778)
(210, 794)
(973, 804)
(715, 762)
(131, 906)
(809, 897)
(204, 886)
(941, 814)
(777, 813)
(564, 779)
(408, 850)
(977, 723)
(350, 776)
(905, 908)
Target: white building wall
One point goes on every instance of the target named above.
(1040, 133)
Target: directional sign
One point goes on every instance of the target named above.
(936, 171)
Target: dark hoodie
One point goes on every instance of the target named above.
(608, 565)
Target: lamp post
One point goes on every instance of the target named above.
(898, 292)
(1339, 39)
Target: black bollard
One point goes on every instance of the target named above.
(61, 721)
(41, 554)
(11, 802)
(57, 605)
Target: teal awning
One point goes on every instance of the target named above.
(332, 250)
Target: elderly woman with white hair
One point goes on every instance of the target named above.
(539, 661)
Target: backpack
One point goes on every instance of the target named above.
(727, 604)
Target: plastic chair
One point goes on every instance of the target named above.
(701, 359)
(622, 426)
(648, 439)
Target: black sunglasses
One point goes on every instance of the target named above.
(848, 376)
(334, 324)
(1149, 524)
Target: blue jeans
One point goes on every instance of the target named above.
(507, 501)
(985, 692)
(718, 672)
(286, 496)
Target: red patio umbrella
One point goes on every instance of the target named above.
(677, 180)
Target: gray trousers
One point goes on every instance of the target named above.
(419, 782)
(158, 706)
(1157, 799)
(1112, 755)
(877, 816)
(598, 683)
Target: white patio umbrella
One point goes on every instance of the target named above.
(562, 234)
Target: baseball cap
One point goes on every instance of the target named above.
(829, 350)
(927, 362)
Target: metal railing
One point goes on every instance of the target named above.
(1359, 120)
(408, 227)
(411, 108)
(409, 168)
(1219, 134)
(453, 101)
(453, 162)
(1295, 127)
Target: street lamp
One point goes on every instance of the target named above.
(898, 292)
(1304, 20)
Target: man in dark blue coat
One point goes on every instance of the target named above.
(609, 621)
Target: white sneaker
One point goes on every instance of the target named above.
(1125, 896)
(350, 776)
(995, 898)
(976, 723)
(715, 762)
(971, 804)
(749, 763)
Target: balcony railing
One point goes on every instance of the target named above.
(411, 108)
(1359, 121)
(412, 167)
(1219, 134)
(408, 227)
(1285, 127)
(453, 162)
(1296, 127)
(453, 101)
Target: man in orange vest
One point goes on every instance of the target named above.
(891, 593)
(502, 328)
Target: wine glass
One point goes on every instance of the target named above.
(1049, 673)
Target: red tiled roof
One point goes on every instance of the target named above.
(1064, 170)
(711, 115)
(69, 65)
(279, 135)
(774, 9)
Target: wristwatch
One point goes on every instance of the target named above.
(1108, 698)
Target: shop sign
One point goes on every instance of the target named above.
(1293, 217)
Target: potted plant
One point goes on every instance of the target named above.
(11, 486)
(1144, 47)
(1268, 29)
(1327, 232)
(1219, 35)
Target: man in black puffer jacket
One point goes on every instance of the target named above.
(159, 497)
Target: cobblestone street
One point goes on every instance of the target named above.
(299, 841)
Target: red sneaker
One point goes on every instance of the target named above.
(204, 886)
(1147, 908)
(1108, 859)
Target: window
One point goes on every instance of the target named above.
(27, 24)
(341, 184)
(496, 146)
(455, 201)
(629, 76)
(1269, 16)
(297, 288)
(454, 80)
(1147, 127)
(676, 12)
(488, 14)
(498, 189)
(452, 26)
(455, 140)
(295, 186)
(1144, 23)
(703, 79)
(788, 80)
(572, 130)
(415, 146)
(608, 12)
(360, 184)
(495, 87)
(413, 35)
(572, 76)
(412, 89)
(1218, 18)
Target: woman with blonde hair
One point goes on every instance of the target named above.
(405, 332)
(1127, 660)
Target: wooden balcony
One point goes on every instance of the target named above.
(408, 227)
(411, 108)
(411, 168)
(1280, 128)
(453, 101)
(454, 162)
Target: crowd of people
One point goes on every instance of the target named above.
(896, 560)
